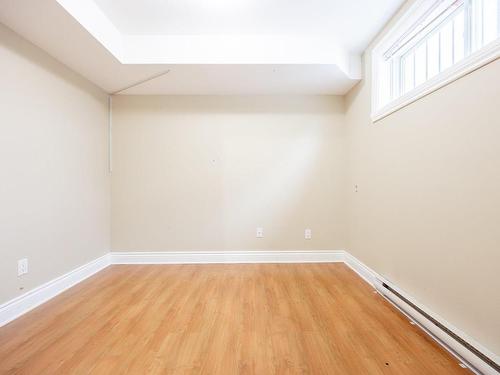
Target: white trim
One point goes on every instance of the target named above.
(35, 297)
(28, 301)
(204, 257)
(471, 63)
(110, 134)
(474, 363)
(362, 270)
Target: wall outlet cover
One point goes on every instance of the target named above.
(22, 266)
(308, 234)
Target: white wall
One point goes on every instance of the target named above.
(54, 186)
(427, 212)
(201, 173)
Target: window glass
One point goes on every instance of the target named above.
(458, 37)
(421, 64)
(441, 36)
(446, 46)
(408, 65)
(433, 55)
(490, 20)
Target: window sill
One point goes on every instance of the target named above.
(478, 59)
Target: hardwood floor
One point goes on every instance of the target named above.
(220, 319)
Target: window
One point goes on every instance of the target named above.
(434, 43)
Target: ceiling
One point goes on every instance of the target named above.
(355, 20)
(220, 47)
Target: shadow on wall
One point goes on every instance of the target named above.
(226, 165)
(233, 104)
(35, 56)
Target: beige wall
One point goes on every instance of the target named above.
(427, 213)
(54, 188)
(201, 173)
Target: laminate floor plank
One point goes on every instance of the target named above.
(220, 319)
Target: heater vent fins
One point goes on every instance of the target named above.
(450, 333)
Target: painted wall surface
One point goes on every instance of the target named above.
(202, 173)
(54, 185)
(427, 211)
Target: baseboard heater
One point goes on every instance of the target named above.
(476, 359)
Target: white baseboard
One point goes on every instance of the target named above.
(475, 363)
(28, 301)
(362, 270)
(207, 257)
(35, 297)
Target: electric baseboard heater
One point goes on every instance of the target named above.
(477, 360)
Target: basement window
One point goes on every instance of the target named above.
(434, 43)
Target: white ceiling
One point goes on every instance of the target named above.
(354, 22)
(233, 47)
(246, 80)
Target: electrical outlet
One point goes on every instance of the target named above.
(259, 233)
(307, 234)
(22, 266)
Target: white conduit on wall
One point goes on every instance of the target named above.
(110, 133)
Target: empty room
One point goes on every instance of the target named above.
(250, 187)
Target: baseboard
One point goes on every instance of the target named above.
(35, 297)
(207, 257)
(361, 269)
(28, 301)
(475, 363)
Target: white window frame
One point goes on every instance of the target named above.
(471, 62)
